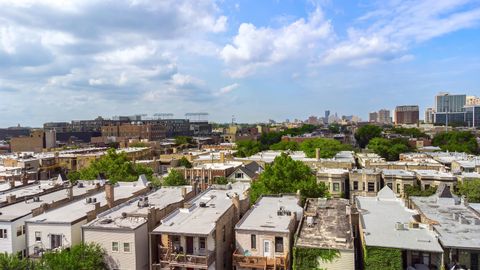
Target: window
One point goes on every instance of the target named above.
(126, 247)
(55, 240)
(253, 241)
(398, 188)
(278, 244)
(201, 241)
(115, 246)
(3, 233)
(336, 187)
(223, 233)
(371, 187)
(20, 230)
(38, 236)
(239, 175)
(426, 187)
(355, 185)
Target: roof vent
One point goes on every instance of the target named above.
(399, 226)
(106, 221)
(202, 204)
(124, 215)
(36, 199)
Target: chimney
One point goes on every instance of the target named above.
(25, 179)
(298, 195)
(184, 192)
(317, 153)
(11, 198)
(236, 204)
(195, 187)
(70, 191)
(222, 157)
(12, 183)
(109, 194)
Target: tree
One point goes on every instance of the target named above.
(411, 132)
(456, 141)
(328, 147)
(78, 257)
(247, 148)
(174, 178)
(283, 145)
(418, 192)
(389, 149)
(183, 140)
(286, 175)
(364, 134)
(13, 262)
(116, 167)
(221, 180)
(334, 128)
(139, 144)
(471, 190)
(183, 162)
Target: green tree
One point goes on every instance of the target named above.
(334, 128)
(183, 140)
(283, 145)
(174, 178)
(13, 262)
(286, 175)
(139, 144)
(418, 192)
(247, 148)
(457, 141)
(411, 132)
(221, 180)
(364, 134)
(115, 166)
(183, 162)
(78, 257)
(328, 147)
(471, 190)
(389, 149)
(379, 258)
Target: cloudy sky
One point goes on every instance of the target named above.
(255, 59)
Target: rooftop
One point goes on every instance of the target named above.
(435, 174)
(326, 225)
(385, 221)
(218, 166)
(402, 173)
(265, 215)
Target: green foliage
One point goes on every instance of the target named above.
(174, 178)
(183, 162)
(183, 140)
(377, 258)
(328, 147)
(456, 141)
(267, 139)
(221, 180)
(286, 175)
(285, 146)
(411, 132)
(13, 262)
(418, 192)
(389, 149)
(471, 190)
(115, 166)
(79, 257)
(139, 144)
(247, 148)
(307, 258)
(364, 134)
(334, 128)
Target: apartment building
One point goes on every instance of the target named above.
(335, 180)
(364, 182)
(430, 178)
(123, 230)
(264, 235)
(327, 225)
(206, 174)
(385, 222)
(456, 225)
(397, 180)
(246, 172)
(151, 132)
(407, 114)
(201, 234)
(62, 227)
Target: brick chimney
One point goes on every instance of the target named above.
(109, 194)
(184, 192)
(12, 183)
(70, 191)
(236, 204)
(11, 198)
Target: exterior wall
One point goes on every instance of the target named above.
(45, 230)
(243, 243)
(362, 184)
(32, 143)
(398, 184)
(244, 178)
(333, 179)
(120, 259)
(346, 261)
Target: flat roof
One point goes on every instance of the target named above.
(435, 174)
(379, 217)
(161, 198)
(218, 166)
(326, 225)
(27, 190)
(404, 173)
(77, 210)
(201, 220)
(264, 215)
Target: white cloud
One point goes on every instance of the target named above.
(227, 89)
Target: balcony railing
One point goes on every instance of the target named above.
(169, 257)
(260, 262)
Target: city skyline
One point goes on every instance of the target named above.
(273, 60)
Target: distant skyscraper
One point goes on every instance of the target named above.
(407, 114)
(450, 109)
(429, 115)
(327, 114)
(373, 117)
(384, 116)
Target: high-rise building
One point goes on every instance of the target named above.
(429, 115)
(326, 118)
(450, 109)
(384, 116)
(373, 117)
(407, 114)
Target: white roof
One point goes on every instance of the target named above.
(263, 215)
(219, 166)
(379, 216)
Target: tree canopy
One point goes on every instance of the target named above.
(411, 132)
(247, 148)
(389, 149)
(174, 178)
(417, 191)
(286, 175)
(364, 134)
(456, 141)
(283, 145)
(115, 166)
(328, 147)
(183, 140)
(183, 162)
(471, 190)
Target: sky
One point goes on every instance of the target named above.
(256, 60)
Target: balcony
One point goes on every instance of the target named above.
(170, 258)
(260, 262)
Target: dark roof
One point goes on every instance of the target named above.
(443, 191)
(251, 169)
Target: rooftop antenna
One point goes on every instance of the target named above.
(233, 120)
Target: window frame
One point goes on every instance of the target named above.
(253, 241)
(115, 244)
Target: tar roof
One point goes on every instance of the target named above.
(272, 214)
(326, 225)
(381, 219)
(201, 220)
(403, 173)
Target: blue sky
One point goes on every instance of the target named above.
(255, 59)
